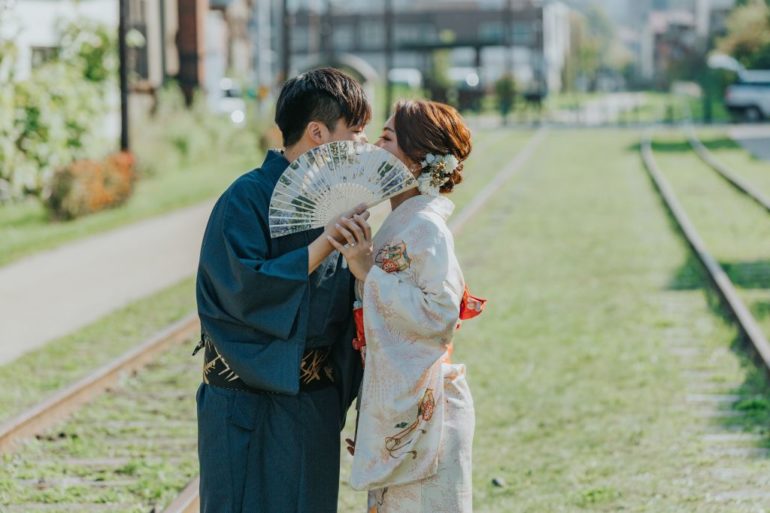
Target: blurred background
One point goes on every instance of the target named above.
(610, 372)
(512, 61)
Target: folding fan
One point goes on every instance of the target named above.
(331, 179)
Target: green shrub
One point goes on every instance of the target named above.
(505, 92)
(54, 116)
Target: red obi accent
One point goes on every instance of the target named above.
(471, 306)
(360, 341)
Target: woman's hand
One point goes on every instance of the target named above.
(330, 230)
(320, 248)
(358, 249)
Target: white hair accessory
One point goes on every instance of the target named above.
(436, 171)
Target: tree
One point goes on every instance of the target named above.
(594, 46)
(748, 34)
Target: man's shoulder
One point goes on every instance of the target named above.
(250, 187)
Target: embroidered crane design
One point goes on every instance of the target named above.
(396, 443)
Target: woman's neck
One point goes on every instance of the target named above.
(396, 200)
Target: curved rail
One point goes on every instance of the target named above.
(746, 322)
(734, 180)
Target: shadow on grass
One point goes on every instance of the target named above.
(754, 393)
(682, 145)
(689, 276)
(748, 275)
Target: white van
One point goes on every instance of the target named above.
(749, 97)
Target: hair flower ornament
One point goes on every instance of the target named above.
(436, 171)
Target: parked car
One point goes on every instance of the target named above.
(749, 98)
(229, 101)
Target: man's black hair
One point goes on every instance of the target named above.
(324, 95)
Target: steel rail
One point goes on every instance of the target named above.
(746, 322)
(67, 400)
(736, 181)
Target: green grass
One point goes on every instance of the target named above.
(25, 228)
(736, 232)
(580, 400)
(148, 425)
(753, 170)
(37, 374)
(580, 403)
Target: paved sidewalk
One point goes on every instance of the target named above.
(54, 293)
(755, 138)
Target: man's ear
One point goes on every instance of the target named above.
(317, 132)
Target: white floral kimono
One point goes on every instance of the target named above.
(416, 418)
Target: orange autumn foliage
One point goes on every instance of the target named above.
(88, 186)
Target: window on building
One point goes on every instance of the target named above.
(491, 32)
(415, 33)
(300, 40)
(522, 34)
(372, 35)
(343, 38)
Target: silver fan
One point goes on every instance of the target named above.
(331, 179)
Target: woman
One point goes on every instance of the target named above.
(416, 418)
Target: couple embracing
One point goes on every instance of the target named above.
(296, 327)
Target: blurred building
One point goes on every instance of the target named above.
(710, 18)
(668, 37)
(487, 37)
(672, 36)
(198, 42)
(32, 27)
(153, 24)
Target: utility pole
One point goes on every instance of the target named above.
(163, 65)
(285, 41)
(327, 33)
(123, 57)
(265, 63)
(508, 37)
(388, 55)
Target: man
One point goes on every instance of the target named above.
(276, 316)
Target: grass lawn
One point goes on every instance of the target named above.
(581, 397)
(174, 182)
(576, 368)
(87, 434)
(37, 374)
(735, 229)
(754, 171)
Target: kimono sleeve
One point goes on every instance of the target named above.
(424, 299)
(260, 292)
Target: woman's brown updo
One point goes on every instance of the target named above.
(424, 127)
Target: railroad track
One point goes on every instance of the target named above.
(108, 456)
(719, 421)
(134, 442)
(727, 290)
(725, 172)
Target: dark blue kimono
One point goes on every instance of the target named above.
(277, 451)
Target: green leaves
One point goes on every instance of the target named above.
(54, 116)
